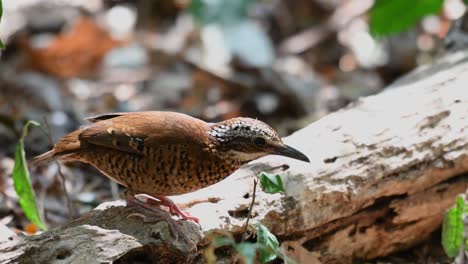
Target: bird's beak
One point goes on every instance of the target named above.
(291, 152)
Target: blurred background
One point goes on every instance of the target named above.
(286, 62)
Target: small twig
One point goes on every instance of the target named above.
(258, 170)
(59, 171)
(249, 215)
(64, 188)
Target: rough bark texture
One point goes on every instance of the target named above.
(384, 170)
(116, 234)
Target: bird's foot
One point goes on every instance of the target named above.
(157, 214)
(142, 208)
(173, 208)
(182, 214)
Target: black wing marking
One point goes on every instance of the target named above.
(94, 119)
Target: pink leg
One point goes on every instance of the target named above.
(173, 208)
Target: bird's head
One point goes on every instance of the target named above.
(246, 139)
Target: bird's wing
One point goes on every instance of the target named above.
(132, 132)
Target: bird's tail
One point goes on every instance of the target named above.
(67, 145)
(45, 158)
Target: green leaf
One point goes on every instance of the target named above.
(22, 182)
(269, 245)
(452, 229)
(222, 241)
(271, 183)
(392, 16)
(247, 251)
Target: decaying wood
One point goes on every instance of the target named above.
(116, 234)
(384, 170)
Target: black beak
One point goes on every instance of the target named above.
(290, 152)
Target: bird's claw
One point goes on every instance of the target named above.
(175, 211)
(173, 208)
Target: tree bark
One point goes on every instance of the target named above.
(383, 172)
(112, 233)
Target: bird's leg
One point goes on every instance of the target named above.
(133, 201)
(157, 214)
(173, 208)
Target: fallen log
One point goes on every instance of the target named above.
(384, 170)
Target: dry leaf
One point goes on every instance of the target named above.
(76, 52)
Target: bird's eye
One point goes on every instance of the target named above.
(259, 141)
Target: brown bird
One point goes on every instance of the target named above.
(167, 153)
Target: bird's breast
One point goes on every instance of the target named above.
(170, 169)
